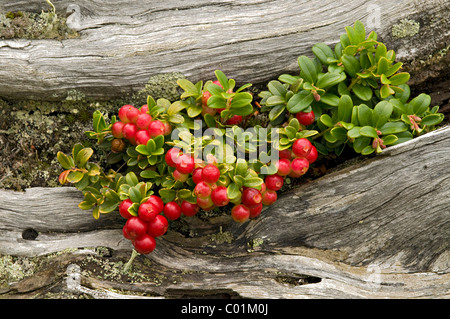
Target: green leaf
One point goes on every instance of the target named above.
(76, 148)
(167, 195)
(345, 107)
(189, 89)
(364, 115)
(99, 123)
(66, 162)
(360, 31)
(176, 118)
(131, 179)
(276, 111)
(83, 156)
(368, 131)
(330, 137)
(420, 103)
(330, 79)
(394, 68)
(393, 128)
(351, 65)
(299, 101)
(241, 167)
(339, 133)
(176, 107)
(386, 91)
(432, 119)
(142, 149)
(209, 120)
(149, 174)
(383, 66)
(399, 78)
(222, 79)
(323, 52)
(241, 99)
(194, 110)
(389, 140)
(253, 182)
(363, 92)
(403, 96)
(308, 69)
(275, 100)
(233, 191)
(277, 88)
(368, 150)
(380, 52)
(74, 176)
(354, 132)
(244, 111)
(326, 120)
(135, 194)
(330, 99)
(360, 143)
(381, 113)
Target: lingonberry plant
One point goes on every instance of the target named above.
(168, 160)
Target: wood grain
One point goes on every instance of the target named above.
(123, 43)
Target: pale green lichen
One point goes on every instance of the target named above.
(222, 237)
(13, 269)
(406, 28)
(160, 86)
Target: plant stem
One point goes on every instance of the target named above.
(128, 265)
(52, 5)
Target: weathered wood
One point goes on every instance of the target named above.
(377, 229)
(123, 43)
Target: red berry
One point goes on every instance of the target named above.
(205, 203)
(208, 110)
(235, 120)
(144, 109)
(284, 166)
(143, 121)
(197, 175)
(148, 211)
(218, 83)
(269, 197)
(285, 154)
(157, 226)
(312, 156)
(156, 128)
(123, 113)
(301, 147)
(157, 201)
(274, 182)
(132, 114)
(256, 210)
(116, 129)
(172, 156)
(123, 208)
(185, 164)
(205, 97)
(142, 137)
(305, 118)
(219, 196)
(135, 227)
(210, 173)
(251, 197)
(129, 131)
(189, 209)
(144, 244)
(202, 190)
(300, 166)
(167, 128)
(125, 233)
(240, 213)
(172, 210)
(180, 176)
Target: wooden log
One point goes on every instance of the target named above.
(376, 229)
(123, 43)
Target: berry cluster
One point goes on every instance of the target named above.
(137, 126)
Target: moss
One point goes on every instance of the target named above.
(406, 28)
(222, 237)
(160, 86)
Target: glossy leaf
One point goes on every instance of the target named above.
(363, 92)
(299, 101)
(308, 69)
(381, 113)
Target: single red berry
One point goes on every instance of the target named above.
(142, 137)
(240, 213)
(123, 113)
(144, 244)
(218, 83)
(269, 197)
(172, 156)
(197, 175)
(251, 197)
(210, 173)
(157, 201)
(172, 210)
(263, 188)
(284, 166)
(116, 129)
(202, 190)
(300, 166)
(135, 227)
(205, 97)
(189, 209)
(312, 156)
(274, 182)
(205, 203)
(305, 118)
(285, 154)
(147, 211)
(185, 164)
(158, 226)
(301, 147)
(219, 196)
(125, 233)
(208, 110)
(132, 114)
(129, 131)
(123, 208)
(180, 176)
(156, 128)
(255, 211)
(167, 128)
(143, 121)
(235, 120)
(144, 109)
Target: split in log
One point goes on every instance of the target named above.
(376, 229)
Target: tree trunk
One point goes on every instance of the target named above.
(378, 228)
(123, 43)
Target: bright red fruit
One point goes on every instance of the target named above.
(284, 166)
(167, 128)
(255, 211)
(205, 203)
(305, 118)
(189, 209)
(144, 108)
(144, 244)
(197, 175)
(274, 182)
(156, 128)
(235, 120)
(116, 129)
(240, 213)
(300, 166)
(135, 227)
(157, 201)
(251, 197)
(147, 211)
(180, 176)
(301, 147)
(157, 226)
(129, 131)
(143, 121)
(142, 137)
(185, 164)
(123, 113)
(172, 156)
(123, 208)
(125, 233)
(312, 156)
(205, 97)
(132, 114)
(202, 190)
(219, 196)
(285, 154)
(269, 197)
(172, 210)
(210, 173)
